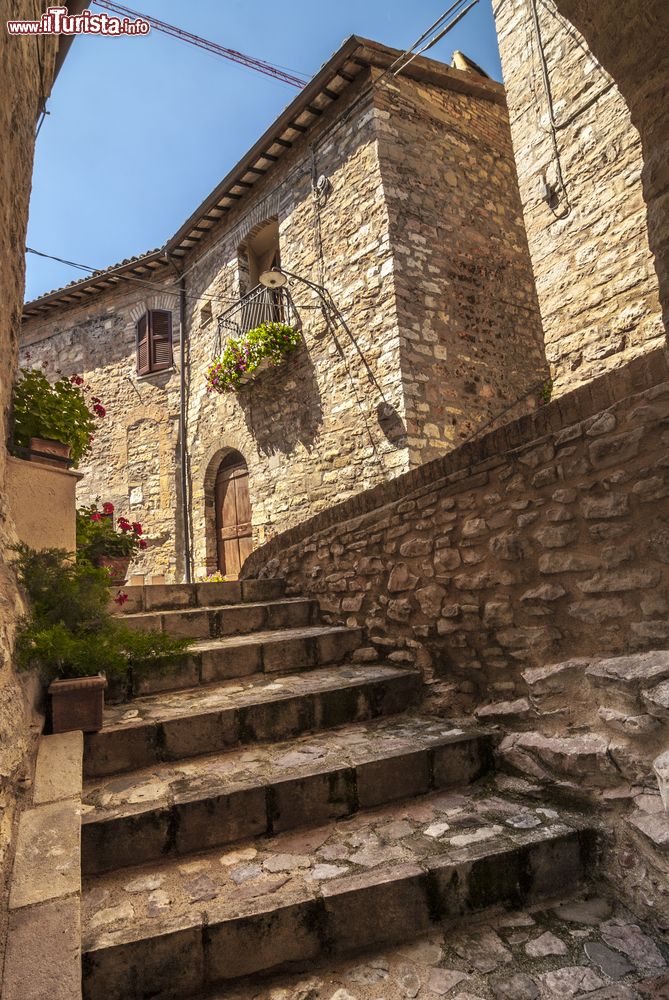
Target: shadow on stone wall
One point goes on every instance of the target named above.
(284, 408)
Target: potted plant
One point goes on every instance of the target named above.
(71, 637)
(55, 422)
(105, 546)
(265, 346)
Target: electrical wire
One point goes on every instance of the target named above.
(456, 10)
(94, 271)
(551, 112)
(250, 62)
(42, 96)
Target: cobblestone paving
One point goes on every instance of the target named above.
(588, 948)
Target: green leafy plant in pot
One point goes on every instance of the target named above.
(54, 419)
(105, 545)
(243, 358)
(71, 637)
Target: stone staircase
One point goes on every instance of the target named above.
(279, 797)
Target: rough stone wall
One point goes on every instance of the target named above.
(21, 91)
(526, 574)
(471, 335)
(309, 430)
(594, 270)
(134, 459)
(542, 540)
(333, 419)
(631, 39)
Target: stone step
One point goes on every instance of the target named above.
(207, 719)
(553, 951)
(173, 596)
(182, 926)
(190, 805)
(230, 619)
(277, 651)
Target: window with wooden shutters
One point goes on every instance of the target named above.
(154, 342)
(143, 365)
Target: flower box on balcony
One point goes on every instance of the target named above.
(250, 355)
(254, 375)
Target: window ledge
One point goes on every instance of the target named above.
(160, 374)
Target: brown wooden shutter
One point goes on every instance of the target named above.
(143, 359)
(160, 336)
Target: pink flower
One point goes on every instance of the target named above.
(99, 410)
(143, 543)
(136, 527)
(121, 597)
(76, 380)
(96, 517)
(108, 508)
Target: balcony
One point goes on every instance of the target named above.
(260, 305)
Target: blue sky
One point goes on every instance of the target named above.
(141, 129)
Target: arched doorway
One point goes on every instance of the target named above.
(233, 514)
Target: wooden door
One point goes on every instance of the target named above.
(233, 517)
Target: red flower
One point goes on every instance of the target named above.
(96, 399)
(108, 508)
(143, 543)
(96, 517)
(121, 597)
(136, 527)
(99, 410)
(76, 380)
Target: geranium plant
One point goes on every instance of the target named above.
(62, 411)
(97, 537)
(269, 342)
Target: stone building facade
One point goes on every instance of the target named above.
(26, 78)
(588, 234)
(399, 195)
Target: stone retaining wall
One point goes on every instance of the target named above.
(544, 539)
(527, 575)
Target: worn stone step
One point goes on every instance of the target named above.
(277, 651)
(182, 926)
(176, 808)
(231, 619)
(207, 719)
(173, 596)
(552, 951)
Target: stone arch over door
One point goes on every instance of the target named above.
(228, 519)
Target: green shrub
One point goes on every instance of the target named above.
(546, 391)
(70, 631)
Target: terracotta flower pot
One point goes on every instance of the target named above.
(77, 703)
(45, 447)
(117, 567)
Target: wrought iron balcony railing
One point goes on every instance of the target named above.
(260, 305)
